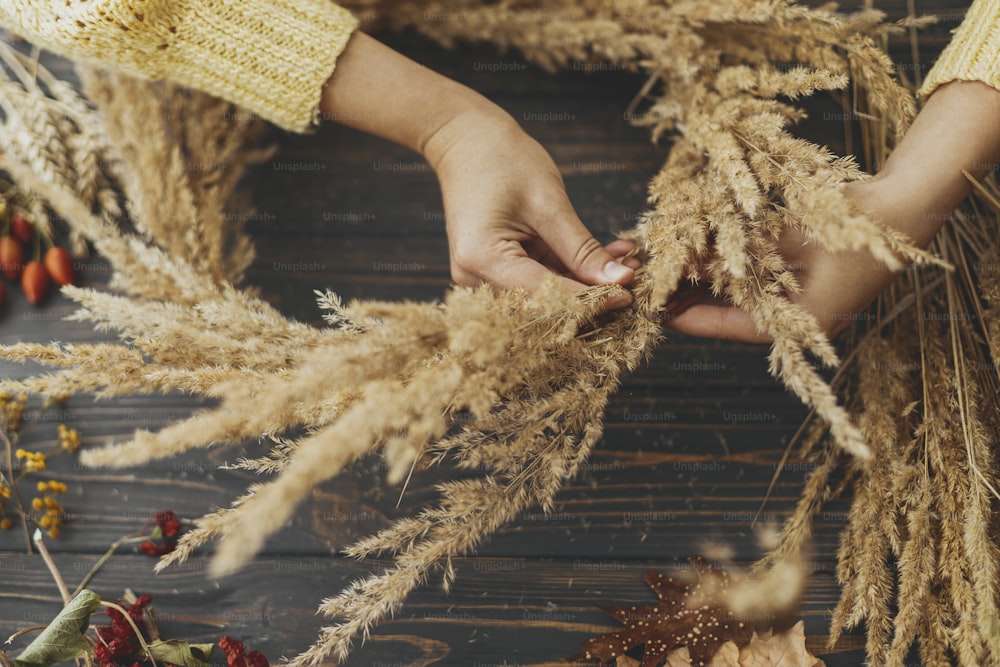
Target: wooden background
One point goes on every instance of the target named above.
(690, 445)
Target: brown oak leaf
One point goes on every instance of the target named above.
(669, 624)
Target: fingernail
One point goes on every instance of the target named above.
(615, 271)
(618, 302)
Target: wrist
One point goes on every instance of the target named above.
(380, 91)
(476, 118)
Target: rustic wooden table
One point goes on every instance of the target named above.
(690, 445)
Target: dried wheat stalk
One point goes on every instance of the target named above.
(918, 560)
(493, 381)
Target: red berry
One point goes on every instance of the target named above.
(21, 228)
(11, 257)
(120, 647)
(60, 265)
(103, 653)
(168, 523)
(256, 659)
(35, 281)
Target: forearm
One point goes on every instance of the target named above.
(957, 129)
(380, 91)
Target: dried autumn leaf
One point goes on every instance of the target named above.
(728, 655)
(784, 649)
(787, 649)
(669, 624)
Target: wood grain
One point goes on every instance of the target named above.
(691, 441)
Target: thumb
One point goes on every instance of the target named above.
(582, 254)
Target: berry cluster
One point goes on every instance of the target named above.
(36, 275)
(118, 644)
(235, 657)
(168, 528)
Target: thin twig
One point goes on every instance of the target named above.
(13, 482)
(103, 559)
(24, 631)
(44, 551)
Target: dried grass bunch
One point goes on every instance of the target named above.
(918, 560)
(506, 385)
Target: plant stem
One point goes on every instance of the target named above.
(13, 483)
(44, 551)
(24, 631)
(103, 559)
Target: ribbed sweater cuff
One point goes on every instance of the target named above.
(272, 57)
(974, 51)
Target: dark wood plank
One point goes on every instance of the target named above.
(525, 612)
(653, 487)
(690, 444)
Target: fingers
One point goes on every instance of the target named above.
(513, 268)
(582, 254)
(620, 248)
(723, 322)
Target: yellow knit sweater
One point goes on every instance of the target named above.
(974, 51)
(272, 57)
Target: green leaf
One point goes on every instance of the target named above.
(180, 653)
(63, 639)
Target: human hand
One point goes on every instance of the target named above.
(509, 219)
(834, 286)
(920, 184)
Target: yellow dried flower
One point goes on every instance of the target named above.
(69, 439)
(14, 411)
(37, 503)
(54, 532)
(45, 521)
(6, 523)
(20, 453)
(52, 486)
(4, 491)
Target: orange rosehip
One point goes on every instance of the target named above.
(35, 281)
(11, 257)
(60, 265)
(21, 227)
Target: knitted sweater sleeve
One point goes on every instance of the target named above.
(974, 51)
(271, 57)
